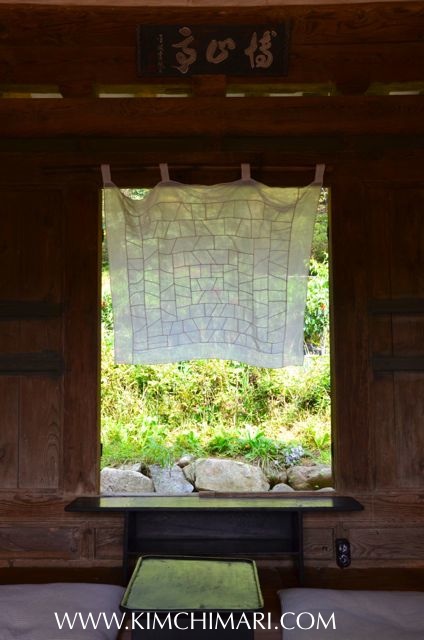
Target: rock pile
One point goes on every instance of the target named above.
(213, 474)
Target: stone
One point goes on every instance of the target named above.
(325, 489)
(190, 472)
(169, 479)
(185, 460)
(131, 466)
(281, 486)
(303, 478)
(276, 475)
(220, 474)
(117, 481)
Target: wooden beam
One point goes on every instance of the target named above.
(71, 65)
(47, 362)
(23, 309)
(100, 25)
(200, 4)
(142, 152)
(81, 400)
(397, 363)
(76, 46)
(182, 118)
(405, 306)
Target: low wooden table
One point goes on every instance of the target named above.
(213, 526)
(187, 597)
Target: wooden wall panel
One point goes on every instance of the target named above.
(31, 335)
(319, 543)
(41, 245)
(409, 412)
(387, 543)
(81, 465)
(10, 237)
(407, 280)
(31, 271)
(407, 259)
(40, 448)
(408, 334)
(379, 417)
(10, 336)
(378, 203)
(41, 335)
(9, 432)
(397, 259)
(383, 427)
(29, 541)
(353, 442)
(10, 234)
(391, 219)
(31, 259)
(108, 543)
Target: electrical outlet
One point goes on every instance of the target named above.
(343, 557)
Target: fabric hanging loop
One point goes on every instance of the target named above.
(210, 272)
(319, 173)
(105, 169)
(245, 172)
(164, 172)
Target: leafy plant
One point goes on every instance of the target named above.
(293, 454)
(320, 237)
(317, 304)
(223, 408)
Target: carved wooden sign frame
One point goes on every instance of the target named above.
(184, 50)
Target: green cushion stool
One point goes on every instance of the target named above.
(188, 597)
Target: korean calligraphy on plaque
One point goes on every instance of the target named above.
(188, 50)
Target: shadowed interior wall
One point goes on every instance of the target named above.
(49, 363)
(345, 59)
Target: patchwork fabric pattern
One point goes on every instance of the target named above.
(210, 272)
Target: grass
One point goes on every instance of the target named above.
(212, 407)
(155, 414)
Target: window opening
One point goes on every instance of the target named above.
(162, 424)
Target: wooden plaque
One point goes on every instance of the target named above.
(204, 50)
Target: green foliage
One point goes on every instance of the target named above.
(320, 238)
(317, 304)
(213, 407)
(316, 327)
(222, 408)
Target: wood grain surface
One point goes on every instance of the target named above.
(173, 117)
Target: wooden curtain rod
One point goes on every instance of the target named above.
(178, 167)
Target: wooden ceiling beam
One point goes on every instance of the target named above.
(281, 161)
(109, 64)
(350, 45)
(61, 21)
(212, 117)
(198, 3)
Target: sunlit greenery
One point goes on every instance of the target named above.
(215, 407)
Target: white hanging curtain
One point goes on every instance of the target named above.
(210, 272)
